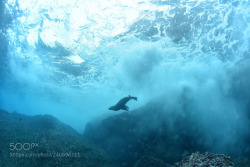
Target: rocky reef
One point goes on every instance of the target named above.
(43, 140)
(150, 135)
(207, 159)
(144, 132)
(128, 139)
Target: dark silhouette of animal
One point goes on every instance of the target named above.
(121, 105)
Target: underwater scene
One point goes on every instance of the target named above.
(125, 83)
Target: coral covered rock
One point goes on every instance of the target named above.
(205, 160)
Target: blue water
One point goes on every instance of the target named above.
(74, 59)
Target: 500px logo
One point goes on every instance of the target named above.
(23, 146)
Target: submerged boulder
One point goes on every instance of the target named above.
(207, 159)
(42, 140)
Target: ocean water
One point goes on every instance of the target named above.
(74, 59)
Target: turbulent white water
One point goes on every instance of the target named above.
(74, 59)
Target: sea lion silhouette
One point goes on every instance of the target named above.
(121, 104)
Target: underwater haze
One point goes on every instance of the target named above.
(74, 59)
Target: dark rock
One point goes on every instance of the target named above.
(43, 140)
(205, 160)
(166, 133)
(148, 130)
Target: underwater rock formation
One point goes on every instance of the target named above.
(145, 132)
(166, 136)
(43, 140)
(207, 159)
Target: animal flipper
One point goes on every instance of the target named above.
(126, 108)
(135, 98)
